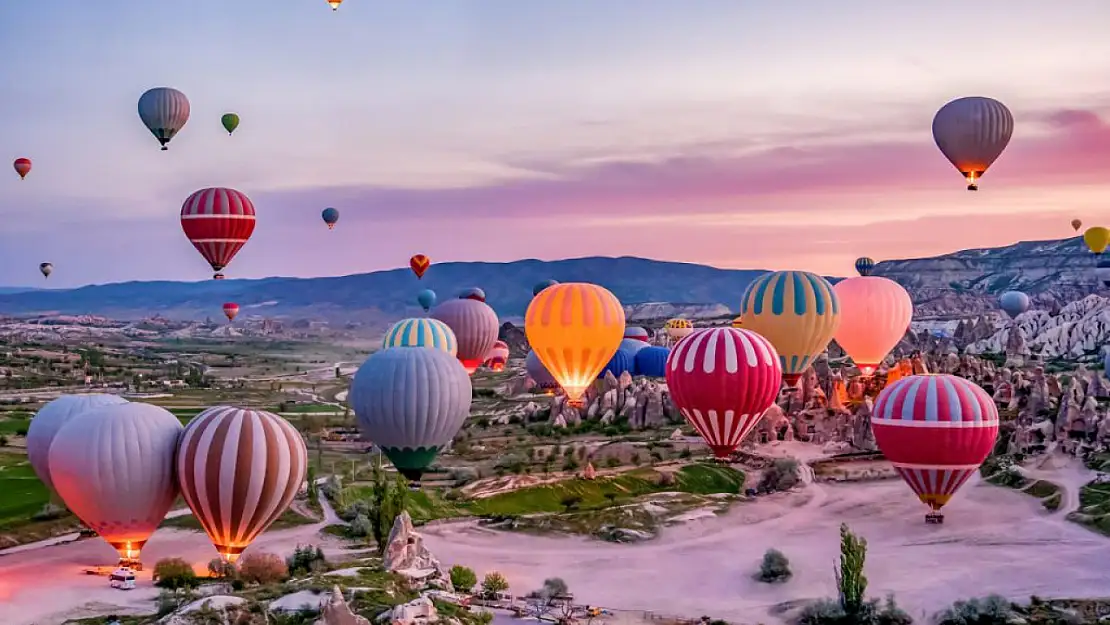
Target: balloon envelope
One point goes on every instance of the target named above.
(972, 133)
(419, 265)
(1076, 224)
(539, 373)
(410, 403)
(230, 122)
(420, 332)
(864, 266)
(574, 328)
(46, 269)
(22, 167)
(218, 222)
(621, 362)
(1014, 303)
(678, 329)
(473, 293)
(723, 380)
(874, 315)
(231, 310)
(475, 325)
(541, 285)
(50, 418)
(113, 466)
(936, 430)
(652, 361)
(797, 311)
(426, 299)
(637, 333)
(632, 346)
(238, 470)
(498, 356)
(164, 112)
(330, 217)
(1097, 239)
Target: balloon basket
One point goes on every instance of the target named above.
(934, 518)
(414, 485)
(128, 563)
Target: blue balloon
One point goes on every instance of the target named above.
(652, 361)
(330, 216)
(426, 299)
(1014, 303)
(632, 346)
(864, 265)
(620, 362)
(473, 293)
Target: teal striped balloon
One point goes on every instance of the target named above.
(422, 332)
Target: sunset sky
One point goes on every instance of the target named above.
(737, 134)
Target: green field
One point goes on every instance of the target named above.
(288, 519)
(23, 494)
(15, 423)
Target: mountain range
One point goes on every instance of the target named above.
(964, 282)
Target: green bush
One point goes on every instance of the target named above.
(990, 610)
(775, 567)
(174, 574)
(462, 578)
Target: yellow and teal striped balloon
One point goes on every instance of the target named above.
(422, 332)
(797, 311)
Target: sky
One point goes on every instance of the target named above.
(736, 134)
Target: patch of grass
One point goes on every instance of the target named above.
(288, 519)
(1042, 489)
(307, 408)
(22, 494)
(603, 492)
(15, 423)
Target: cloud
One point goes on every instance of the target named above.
(1057, 147)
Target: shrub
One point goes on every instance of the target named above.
(360, 526)
(49, 512)
(774, 568)
(781, 475)
(665, 479)
(305, 559)
(463, 578)
(494, 583)
(990, 610)
(570, 501)
(220, 569)
(174, 573)
(260, 567)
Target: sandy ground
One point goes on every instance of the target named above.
(994, 540)
(47, 586)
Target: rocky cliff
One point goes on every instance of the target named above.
(962, 283)
(1077, 331)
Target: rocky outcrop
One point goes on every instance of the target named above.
(642, 402)
(667, 310)
(406, 555)
(1077, 330)
(419, 611)
(335, 611)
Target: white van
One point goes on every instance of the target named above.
(122, 578)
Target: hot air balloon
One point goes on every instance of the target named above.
(420, 264)
(476, 328)
(621, 362)
(1076, 224)
(230, 122)
(334, 4)
(113, 468)
(238, 470)
(723, 380)
(426, 299)
(410, 403)
(541, 285)
(864, 266)
(231, 309)
(972, 133)
(218, 222)
(797, 311)
(164, 112)
(498, 356)
(1102, 271)
(632, 346)
(1014, 303)
(330, 217)
(652, 361)
(677, 329)
(1097, 238)
(574, 328)
(541, 377)
(874, 315)
(936, 430)
(50, 418)
(420, 332)
(22, 167)
(737, 322)
(473, 293)
(637, 333)
(46, 269)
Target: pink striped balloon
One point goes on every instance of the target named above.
(723, 380)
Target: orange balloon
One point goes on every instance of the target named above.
(874, 315)
(574, 328)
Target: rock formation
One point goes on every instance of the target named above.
(406, 555)
(335, 611)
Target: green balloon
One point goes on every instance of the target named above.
(230, 122)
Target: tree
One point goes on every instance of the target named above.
(570, 501)
(462, 578)
(781, 475)
(774, 568)
(851, 583)
(305, 559)
(312, 492)
(494, 583)
(174, 574)
(552, 587)
(220, 569)
(262, 568)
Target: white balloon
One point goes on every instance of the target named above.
(164, 111)
(971, 133)
(50, 418)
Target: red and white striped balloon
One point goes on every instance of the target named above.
(936, 430)
(723, 380)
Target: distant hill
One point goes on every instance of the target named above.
(373, 297)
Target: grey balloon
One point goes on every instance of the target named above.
(538, 372)
(50, 418)
(475, 326)
(410, 401)
(164, 112)
(632, 345)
